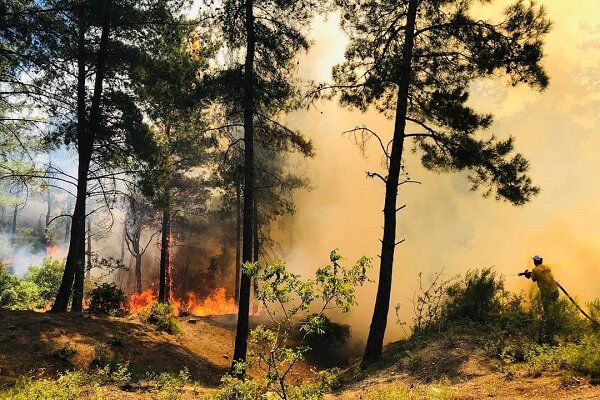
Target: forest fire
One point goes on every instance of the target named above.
(216, 303)
(53, 251)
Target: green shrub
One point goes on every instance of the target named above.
(161, 315)
(238, 389)
(561, 321)
(17, 294)
(476, 298)
(170, 386)
(47, 277)
(64, 351)
(107, 298)
(69, 386)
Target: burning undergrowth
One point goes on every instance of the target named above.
(215, 303)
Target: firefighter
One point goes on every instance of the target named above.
(542, 275)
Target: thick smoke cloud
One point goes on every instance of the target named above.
(447, 226)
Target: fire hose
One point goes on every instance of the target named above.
(527, 274)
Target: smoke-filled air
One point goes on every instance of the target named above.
(299, 199)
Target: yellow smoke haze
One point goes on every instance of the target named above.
(445, 224)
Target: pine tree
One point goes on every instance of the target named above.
(414, 61)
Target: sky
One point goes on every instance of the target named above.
(447, 227)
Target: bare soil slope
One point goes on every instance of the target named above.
(460, 370)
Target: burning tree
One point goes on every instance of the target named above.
(414, 61)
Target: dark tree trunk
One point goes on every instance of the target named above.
(238, 238)
(164, 279)
(48, 213)
(68, 222)
(241, 336)
(138, 272)
(88, 269)
(13, 228)
(123, 241)
(75, 256)
(255, 253)
(73, 276)
(388, 244)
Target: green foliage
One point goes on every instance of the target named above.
(238, 389)
(161, 315)
(107, 298)
(452, 48)
(117, 374)
(286, 297)
(170, 386)
(477, 297)
(47, 278)
(583, 357)
(68, 386)
(17, 294)
(395, 391)
(64, 351)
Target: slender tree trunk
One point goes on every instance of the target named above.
(388, 244)
(48, 214)
(165, 244)
(13, 229)
(255, 253)
(73, 276)
(138, 271)
(238, 238)
(241, 337)
(123, 241)
(68, 222)
(13, 238)
(88, 269)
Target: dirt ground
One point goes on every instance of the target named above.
(33, 345)
(463, 371)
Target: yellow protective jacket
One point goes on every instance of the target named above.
(542, 275)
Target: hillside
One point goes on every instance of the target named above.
(457, 368)
(40, 345)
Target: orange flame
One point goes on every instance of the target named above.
(53, 251)
(137, 302)
(216, 303)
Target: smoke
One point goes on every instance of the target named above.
(447, 227)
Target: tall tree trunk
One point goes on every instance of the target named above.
(88, 269)
(165, 244)
(255, 253)
(241, 336)
(73, 276)
(238, 238)
(48, 214)
(138, 272)
(13, 228)
(123, 241)
(13, 238)
(68, 221)
(388, 244)
(76, 252)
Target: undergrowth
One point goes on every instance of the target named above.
(514, 328)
